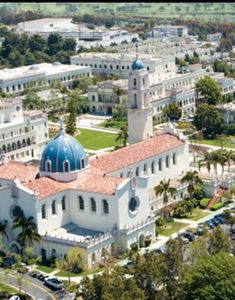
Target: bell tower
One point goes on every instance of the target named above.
(140, 124)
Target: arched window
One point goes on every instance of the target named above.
(121, 175)
(137, 171)
(160, 164)
(66, 166)
(81, 203)
(167, 161)
(105, 207)
(93, 205)
(134, 81)
(153, 167)
(48, 165)
(82, 163)
(174, 159)
(145, 169)
(43, 211)
(53, 253)
(63, 204)
(53, 207)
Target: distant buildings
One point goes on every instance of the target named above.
(23, 135)
(227, 111)
(169, 31)
(16, 80)
(99, 36)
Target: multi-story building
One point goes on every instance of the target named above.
(120, 64)
(169, 31)
(105, 96)
(23, 135)
(16, 80)
(105, 205)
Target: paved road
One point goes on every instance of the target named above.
(35, 287)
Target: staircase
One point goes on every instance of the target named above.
(215, 197)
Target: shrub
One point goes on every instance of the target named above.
(159, 221)
(217, 206)
(147, 242)
(204, 202)
(134, 246)
(198, 192)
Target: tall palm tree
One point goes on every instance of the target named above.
(230, 156)
(29, 232)
(192, 178)
(215, 160)
(222, 158)
(3, 233)
(123, 135)
(165, 189)
(205, 161)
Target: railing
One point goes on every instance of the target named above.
(75, 240)
(129, 229)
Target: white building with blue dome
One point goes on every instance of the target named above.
(106, 204)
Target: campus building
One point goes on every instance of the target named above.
(16, 80)
(106, 204)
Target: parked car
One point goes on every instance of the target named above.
(8, 261)
(160, 250)
(215, 221)
(42, 277)
(189, 235)
(220, 219)
(210, 224)
(184, 239)
(201, 228)
(53, 283)
(34, 274)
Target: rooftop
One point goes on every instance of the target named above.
(43, 69)
(134, 153)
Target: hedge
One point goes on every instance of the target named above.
(217, 206)
(204, 202)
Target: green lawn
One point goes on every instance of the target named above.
(197, 214)
(95, 140)
(84, 273)
(45, 269)
(225, 142)
(8, 289)
(171, 228)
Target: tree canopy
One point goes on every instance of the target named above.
(209, 89)
(172, 111)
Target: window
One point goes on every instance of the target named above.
(63, 204)
(174, 159)
(153, 167)
(48, 166)
(117, 67)
(53, 207)
(82, 163)
(81, 203)
(93, 205)
(19, 87)
(145, 169)
(167, 161)
(137, 171)
(160, 164)
(105, 207)
(134, 81)
(66, 166)
(43, 211)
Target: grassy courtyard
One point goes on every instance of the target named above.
(95, 140)
(170, 228)
(45, 269)
(197, 214)
(219, 142)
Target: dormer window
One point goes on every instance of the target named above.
(66, 166)
(48, 165)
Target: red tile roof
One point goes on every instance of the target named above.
(134, 153)
(13, 169)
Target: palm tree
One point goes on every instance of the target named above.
(230, 156)
(192, 178)
(165, 189)
(123, 135)
(118, 92)
(29, 232)
(222, 158)
(215, 160)
(3, 233)
(205, 161)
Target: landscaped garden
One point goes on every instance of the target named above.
(171, 227)
(226, 141)
(196, 214)
(95, 140)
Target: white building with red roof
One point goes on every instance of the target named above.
(104, 205)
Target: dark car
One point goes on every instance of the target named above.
(160, 250)
(215, 221)
(8, 262)
(220, 219)
(34, 274)
(210, 224)
(189, 235)
(42, 277)
(183, 238)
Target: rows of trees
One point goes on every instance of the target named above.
(18, 50)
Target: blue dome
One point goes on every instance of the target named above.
(137, 65)
(63, 154)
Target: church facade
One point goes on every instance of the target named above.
(103, 205)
